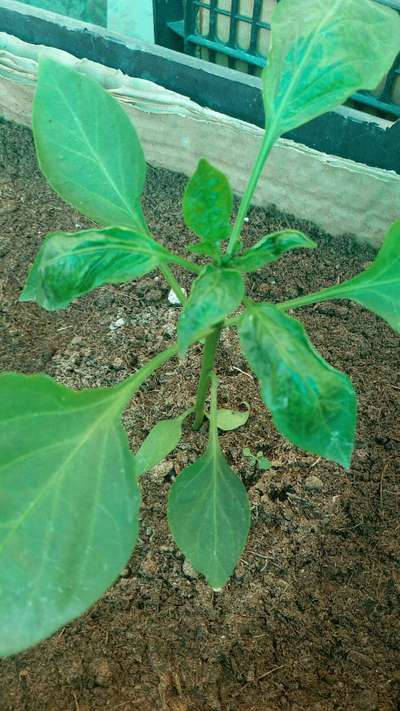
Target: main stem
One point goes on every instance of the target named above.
(207, 366)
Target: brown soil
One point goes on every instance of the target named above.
(310, 618)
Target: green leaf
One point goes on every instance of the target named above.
(208, 511)
(205, 249)
(269, 249)
(311, 403)
(215, 293)
(207, 203)
(263, 463)
(87, 147)
(161, 440)
(378, 287)
(69, 503)
(69, 265)
(228, 420)
(321, 53)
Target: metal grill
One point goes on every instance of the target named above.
(235, 33)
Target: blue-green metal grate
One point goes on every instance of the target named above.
(210, 46)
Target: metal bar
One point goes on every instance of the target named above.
(166, 12)
(238, 54)
(233, 31)
(255, 27)
(228, 13)
(384, 106)
(190, 21)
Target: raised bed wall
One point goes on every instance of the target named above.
(338, 193)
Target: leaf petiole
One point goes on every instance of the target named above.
(173, 283)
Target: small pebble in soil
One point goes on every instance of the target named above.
(173, 299)
(188, 570)
(76, 341)
(117, 324)
(313, 483)
(117, 364)
(101, 671)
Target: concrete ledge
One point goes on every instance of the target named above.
(337, 194)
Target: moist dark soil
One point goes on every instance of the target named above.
(310, 619)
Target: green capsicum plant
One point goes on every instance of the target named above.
(69, 485)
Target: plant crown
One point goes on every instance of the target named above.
(70, 499)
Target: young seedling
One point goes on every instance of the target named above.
(257, 460)
(69, 493)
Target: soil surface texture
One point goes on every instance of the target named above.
(310, 619)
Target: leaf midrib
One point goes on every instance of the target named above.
(299, 69)
(59, 473)
(96, 156)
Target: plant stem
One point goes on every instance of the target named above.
(185, 263)
(129, 386)
(207, 365)
(268, 142)
(213, 436)
(331, 292)
(173, 283)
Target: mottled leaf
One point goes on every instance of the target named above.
(207, 203)
(311, 403)
(321, 53)
(69, 265)
(269, 249)
(215, 294)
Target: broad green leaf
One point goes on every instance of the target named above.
(69, 503)
(269, 249)
(209, 515)
(311, 403)
(321, 53)
(228, 420)
(69, 265)
(161, 440)
(87, 147)
(378, 287)
(207, 203)
(215, 294)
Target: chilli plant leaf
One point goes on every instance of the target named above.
(377, 288)
(321, 53)
(69, 504)
(311, 403)
(215, 293)
(87, 147)
(161, 441)
(69, 497)
(269, 249)
(207, 205)
(209, 513)
(69, 265)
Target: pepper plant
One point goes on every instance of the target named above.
(69, 493)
